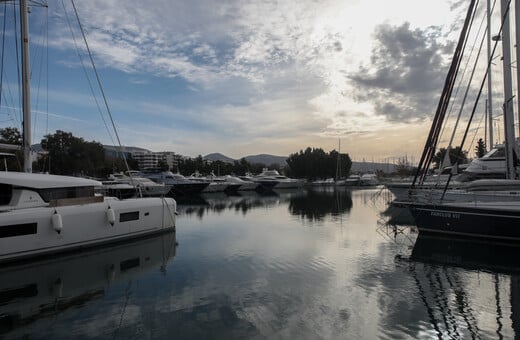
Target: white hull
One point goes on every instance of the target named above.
(34, 231)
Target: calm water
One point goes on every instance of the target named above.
(314, 264)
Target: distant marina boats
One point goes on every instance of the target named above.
(179, 184)
(273, 179)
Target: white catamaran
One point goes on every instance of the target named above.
(42, 214)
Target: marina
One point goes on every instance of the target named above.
(118, 241)
(316, 263)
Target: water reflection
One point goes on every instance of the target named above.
(41, 291)
(320, 202)
(454, 278)
(312, 204)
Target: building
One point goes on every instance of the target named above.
(146, 159)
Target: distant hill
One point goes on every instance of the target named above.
(267, 159)
(263, 158)
(218, 157)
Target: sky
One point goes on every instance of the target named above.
(242, 77)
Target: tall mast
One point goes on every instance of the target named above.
(490, 93)
(26, 91)
(509, 118)
(517, 33)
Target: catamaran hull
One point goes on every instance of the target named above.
(31, 232)
(469, 221)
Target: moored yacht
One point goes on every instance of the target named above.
(143, 186)
(280, 181)
(43, 214)
(180, 185)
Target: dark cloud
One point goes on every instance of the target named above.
(406, 72)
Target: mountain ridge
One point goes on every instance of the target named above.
(260, 158)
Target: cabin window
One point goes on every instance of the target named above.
(60, 193)
(129, 216)
(26, 291)
(18, 229)
(129, 264)
(6, 192)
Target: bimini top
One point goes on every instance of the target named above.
(44, 181)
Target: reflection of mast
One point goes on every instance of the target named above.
(338, 162)
(515, 304)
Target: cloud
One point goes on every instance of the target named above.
(406, 72)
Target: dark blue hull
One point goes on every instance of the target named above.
(477, 222)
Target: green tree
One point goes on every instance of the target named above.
(456, 156)
(12, 136)
(315, 163)
(70, 155)
(480, 148)
(162, 165)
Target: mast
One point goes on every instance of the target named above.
(509, 118)
(26, 91)
(517, 33)
(489, 103)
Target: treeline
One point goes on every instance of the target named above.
(190, 166)
(314, 163)
(69, 155)
(66, 155)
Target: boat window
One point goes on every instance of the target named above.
(129, 216)
(129, 264)
(18, 229)
(6, 192)
(495, 153)
(16, 293)
(60, 193)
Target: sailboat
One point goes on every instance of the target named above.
(499, 220)
(43, 214)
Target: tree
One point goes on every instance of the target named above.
(315, 163)
(480, 148)
(12, 136)
(162, 165)
(456, 156)
(71, 155)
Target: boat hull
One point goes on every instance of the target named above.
(31, 232)
(476, 221)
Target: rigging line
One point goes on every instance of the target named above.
(6, 92)
(3, 50)
(465, 98)
(86, 73)
(19, 72)
(42, 58)
(478, 96)
(47, 72)
(448, 97)
(462, 80)
(445, 94)
(101, 89)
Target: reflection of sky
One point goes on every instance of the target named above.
(271, 274)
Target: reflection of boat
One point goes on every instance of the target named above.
(39, 290)
(469, 254)
(43, 213)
